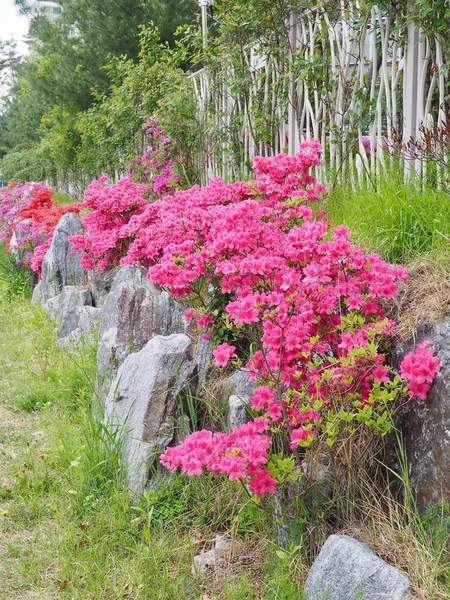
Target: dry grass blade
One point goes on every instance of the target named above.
(427, 294)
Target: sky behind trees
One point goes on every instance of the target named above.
(13, 24)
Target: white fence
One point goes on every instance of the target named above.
(359, 88)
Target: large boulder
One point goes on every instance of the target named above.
(347, 569)
(88, 322)
(37, 292)
(425, 425)
(141, 408)
(61, 267)
(134, 311)
(64, 308)
(202, 354)
(100, 283)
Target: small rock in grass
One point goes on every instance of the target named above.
(347, 569)
(214, 557)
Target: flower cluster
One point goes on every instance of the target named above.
(28, 217)
(240, 454)
(370, 146)
(155, 168)
(420, 368)
(113, 207)
(13, 198)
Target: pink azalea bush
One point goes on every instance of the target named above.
(280, 293)
(39, 220)
(13, 198)
(28, 217)
(112, 207)
(29, 236)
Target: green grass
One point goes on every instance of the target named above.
(63, 198)
(399, 220)
(14, 282)
(72, 530)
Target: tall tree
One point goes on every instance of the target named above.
(66, 65)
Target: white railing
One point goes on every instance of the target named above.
(377, 87)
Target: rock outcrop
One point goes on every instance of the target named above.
(37, 290)
(425, 425)
(100, 283)
(88, 322)
(202, 353)
(142, 409)
(347, 569)
(134, 312)
(216, 557)
(61, 267)
(64, 308)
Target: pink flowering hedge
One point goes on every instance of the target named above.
(113, 207)
(28, 217)
(280, 294)
(13, 199)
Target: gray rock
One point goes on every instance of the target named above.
(63, 308)
(36, 297)
(202, 355)
(134, 311)
(217, 556)
(17, 236)
(14, 243)
(88, 319)
(239, 384)
(347, 569)
(425, 425)
(100, 284)
(61, 267)
(237, 413)
(204, 561)
(239, 389)
(141, 407)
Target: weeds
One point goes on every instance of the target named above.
(15, 283)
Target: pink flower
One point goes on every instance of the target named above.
(223, 353)
(190, 315)
(263, 483)
(204, 320)
(381, 374)
(299, 435)
(264, 398)
(420, 368)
